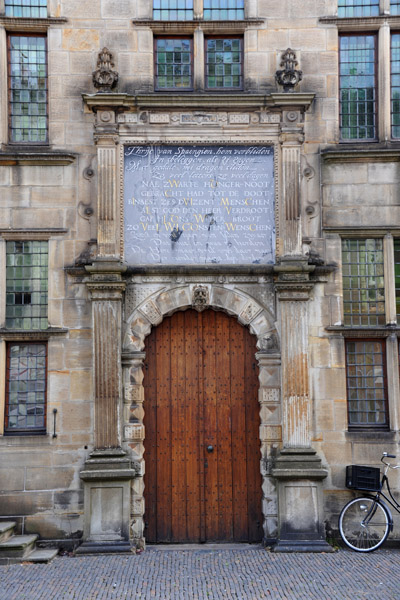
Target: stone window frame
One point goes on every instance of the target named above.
(352, 425)
(39, 335)
(382, 26)
(22, 26)
(219, 88)
(389, 333)
(25, 295)
(374, 113)
(155, 56)
(28, 430)
(33, 4)
(198, 10)
(11, 135)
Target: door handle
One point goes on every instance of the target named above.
(210, 448)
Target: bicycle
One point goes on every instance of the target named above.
(365, 522)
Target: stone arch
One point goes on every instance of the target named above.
(218, 297)
(250, 313)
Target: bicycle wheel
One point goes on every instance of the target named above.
(364, 524)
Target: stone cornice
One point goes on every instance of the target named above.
(372, 230)
(180, 27)
(24, 24)
(364, 332)
(194, 270)
(35, 157)
(31, 234)
(192, 100)
(371, 153)
(31, 336)
(362, 23)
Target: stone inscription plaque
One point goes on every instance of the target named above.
(199, 204)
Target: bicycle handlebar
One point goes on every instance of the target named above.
(386, 455)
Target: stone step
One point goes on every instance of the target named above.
(6, 530)
(18, 546)
(42, 555)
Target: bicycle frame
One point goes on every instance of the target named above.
(378, 497)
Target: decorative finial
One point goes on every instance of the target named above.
(289, 76)
(104, 78)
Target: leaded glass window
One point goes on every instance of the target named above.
(358, 8)
(172, 10)
(173, 64)
(26, 284)
(357, 87)
(363, 282)
(223, 10)
(395, 7)
(27, 88)
(395, 85)
(26, 8)
(366, 383)
(397, 276)
(224, 59)
(26, 383)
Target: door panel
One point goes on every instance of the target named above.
(202, 447)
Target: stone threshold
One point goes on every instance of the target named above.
(216, 547)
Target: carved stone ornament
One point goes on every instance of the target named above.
(289, 76)
(200, 297)
(104, 78)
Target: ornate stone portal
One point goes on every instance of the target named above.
(246, 291)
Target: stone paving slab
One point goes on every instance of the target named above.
(202, 573)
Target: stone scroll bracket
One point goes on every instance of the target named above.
(250, 313)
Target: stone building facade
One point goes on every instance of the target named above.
(159, 159)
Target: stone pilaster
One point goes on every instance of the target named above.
(108, 472)
(291, 140)
(298, 469)
(106, 288)
(107, 202)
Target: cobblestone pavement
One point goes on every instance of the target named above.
(250, 573)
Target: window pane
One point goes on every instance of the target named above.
(395, 7)
(395, 85)
(172, 10)
(26, 383)
(173, 64)
(358, 8)
(224, 59)
(366, 383)
(27, 89)
(26, 8)
(26, 285)
(357, 87)
(223, 10)
(363, 282)
(397, 276)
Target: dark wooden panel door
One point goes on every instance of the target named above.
(202, 447)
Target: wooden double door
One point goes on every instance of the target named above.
(202, 446)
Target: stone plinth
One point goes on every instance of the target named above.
(300, 520)
(107, 479)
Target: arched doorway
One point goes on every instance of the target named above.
(202, 444)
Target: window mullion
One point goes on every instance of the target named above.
(198, 9)
(392, 374)
(383, 76)
(390, 304)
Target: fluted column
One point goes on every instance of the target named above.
(291, 200)
(295, 380)
(106, 315)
